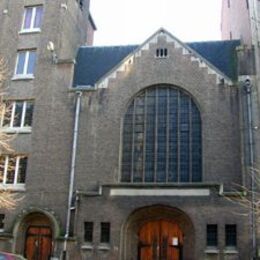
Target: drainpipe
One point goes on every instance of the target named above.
(72, 170)
(248, 88)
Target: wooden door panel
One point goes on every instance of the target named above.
(149, 241)
(38, 245)
(45, 248)
(30, 252)
(156, 241)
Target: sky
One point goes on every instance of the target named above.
(122, 22)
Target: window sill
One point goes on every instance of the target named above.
(230, 250)
(23, 77)
(12, 187)
(211, 250)
(104, 247)
(5, 236)
(161, 58)
(16, 130)
(87, 246)
(30, 31)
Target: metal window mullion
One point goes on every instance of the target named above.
(167, 133)
(155, 134)
(33, 17)
(23, 113)
(13, 114)
(5, 169)
(26, 62)
(178, 136)
(144, 136)
(17, 162)
(133, 142)
(190, 141)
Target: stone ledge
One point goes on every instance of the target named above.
(211, 250)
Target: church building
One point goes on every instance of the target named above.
(131, 152)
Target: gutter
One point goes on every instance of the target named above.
(248, 89)
(72, 171)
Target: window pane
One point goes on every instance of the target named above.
(11, 170)
(38, 17)
(7, 114)
(231, 235)
(105, 232)
(88, 228)
(18, 114)
(212, 235)
(28, 18)
(22, 170)
(2, 168)
(162, 137)
(28, 113)
(2, 217)
(20, 63)
(31, 62)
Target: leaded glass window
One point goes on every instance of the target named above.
(162, 137)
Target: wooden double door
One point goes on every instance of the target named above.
(160, 240)
(38, 243)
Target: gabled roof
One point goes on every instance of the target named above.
(222, 54)
(95, 63)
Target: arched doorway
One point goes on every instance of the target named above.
(160, 240)
(158, 232)
(38, 242)
(35, 236)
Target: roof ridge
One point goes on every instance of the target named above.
(212, 41)
(136, 45)
(109, 46)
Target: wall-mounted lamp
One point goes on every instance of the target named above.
(64, 6)
(51, 48)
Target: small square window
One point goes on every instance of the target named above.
(161, 53)
(32, 18)
(2, 217)
(231, 235)
(105, 232)
(25, 63)
(88, 228)
(212, 235)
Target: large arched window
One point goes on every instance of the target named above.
(162, 137)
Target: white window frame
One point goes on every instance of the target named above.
(12, 128)
(23, 75)
(31, 28)
(3, 183)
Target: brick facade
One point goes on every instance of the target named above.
(98, 194)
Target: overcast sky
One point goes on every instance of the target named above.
(122, 22)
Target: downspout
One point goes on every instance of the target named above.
(248, 89)
(72, 170)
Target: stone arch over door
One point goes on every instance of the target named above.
(35, 233)
(156, 214)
